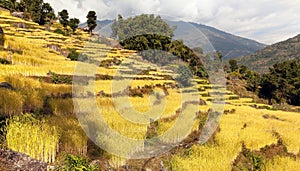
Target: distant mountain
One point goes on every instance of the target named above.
(101, 24)
(229, 45)
(263, 59)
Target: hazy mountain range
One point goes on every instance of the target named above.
(204, 36)
(263, 59)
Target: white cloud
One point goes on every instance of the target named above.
(267, 21)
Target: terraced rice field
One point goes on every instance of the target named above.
(154, 99)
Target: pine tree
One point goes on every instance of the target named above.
(91, 21)
(74, 23)
(47, 14)
(63, 18)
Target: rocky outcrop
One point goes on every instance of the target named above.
(14, 161)
(18, 14)
(21, 25)
(54, 47)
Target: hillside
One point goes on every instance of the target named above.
(262, 60)
(49, 104)
(230, 45)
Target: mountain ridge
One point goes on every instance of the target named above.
(263, 59)
(230, 45)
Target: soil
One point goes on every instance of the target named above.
(11, 161)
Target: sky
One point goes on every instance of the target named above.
(266, 21)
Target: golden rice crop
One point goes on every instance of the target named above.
(116, 161)
(62, 106)
(247, 125)
(72, 138)
(32, 137)
(119, 123)
(56, 89)
(30, 90)
(283, 164)
(11, 103)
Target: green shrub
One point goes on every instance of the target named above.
(185, 76)
(248, 160)
(58, 79)
(75, 56)
(59, 31)
(4, 61)
(77, 163)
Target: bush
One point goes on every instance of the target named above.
(58, 79)
(75, 56)
(77, 163)
(59, 31)
(282, 83)
(62, 32)
(248, 160)
(4, 61)
(185, 76)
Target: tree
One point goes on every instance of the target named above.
(26, 4)
(115, 27)
(47, 14)
(14, 2)
(282, 83)
(143, 32)
(150, 35)
(219, 55)
(198, 50)
(20, 6)
(91, 21)
(142, 25)
(10, 5)
(243, 69)
(63, 18)
(233, 65)
(253, 80)
(34, 7)
(185, 75)
(74, 23)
